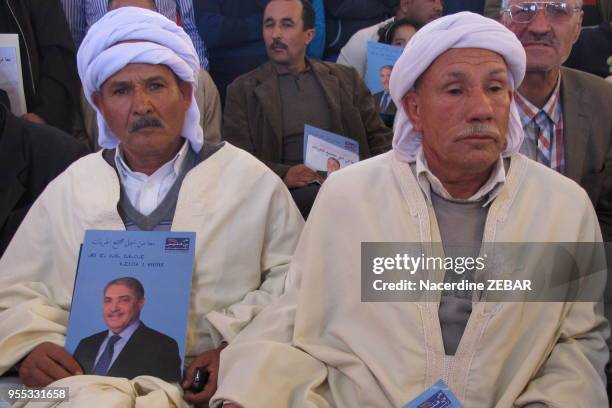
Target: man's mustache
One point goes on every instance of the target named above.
(144, 122)
(476, 130)
(545, 39)
(278, 44)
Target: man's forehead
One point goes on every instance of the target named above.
(456, 62)
(118, 287)
(283, 9)
(469, 56)
(140, 72)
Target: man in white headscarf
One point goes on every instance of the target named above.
(454, 176)
(155, 173)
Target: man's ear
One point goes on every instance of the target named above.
(412, 106)
(187, 92)
(310, 35)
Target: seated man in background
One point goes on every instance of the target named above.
(355, 52)
(31, 155)
(82, 14)
(48, 67)
(561, 108)
(155, 173)
(592, 52)
(232, 31)
(266, 109)
(343, 18)
(455, 175)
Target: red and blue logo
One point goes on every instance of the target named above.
(177, 244)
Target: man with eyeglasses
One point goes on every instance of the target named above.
(565, 113)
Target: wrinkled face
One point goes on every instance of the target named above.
(283, 32)
(145, 108)
(121, 307)
(548, 41)
(421, 11)
(402, 35)
(385, 76)
(461, 107)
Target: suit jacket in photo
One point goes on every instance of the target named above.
(253, 113)
(391, 108)
(587, 132)
(147, 352)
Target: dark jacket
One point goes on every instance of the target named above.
(343, 18)
(232, 31)
(31, 155)
(48, 59)
(587, 129)
(592, 50)
(253, 121)
(455, 6)
(147, 352)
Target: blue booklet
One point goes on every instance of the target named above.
(327, 152)
(130, 303)
(381, 59)
(437, 396)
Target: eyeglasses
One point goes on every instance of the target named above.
(554, 11)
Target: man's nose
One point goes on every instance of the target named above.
(540, 23)
(480, 106)
(276, 31)
(141, 104)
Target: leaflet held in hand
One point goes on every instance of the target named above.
(326, 151)
(130, 303)
(437, 396)
(11, 79)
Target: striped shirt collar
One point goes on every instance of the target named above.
(528, 111)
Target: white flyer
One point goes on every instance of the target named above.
(11, 79)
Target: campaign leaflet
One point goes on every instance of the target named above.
(380, 55)
(381, 59)
(437, 396)
(11, 79)
(130, 303)
(326, 152)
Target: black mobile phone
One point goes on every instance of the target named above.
(200, 379)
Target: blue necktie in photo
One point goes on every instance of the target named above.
(107, 356)
(384, 102)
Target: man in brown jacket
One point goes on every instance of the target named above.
(267, 108)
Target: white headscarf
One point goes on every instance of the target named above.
(157, 41)
(460, 30)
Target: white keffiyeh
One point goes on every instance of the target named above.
(460, 30)
(131, 35)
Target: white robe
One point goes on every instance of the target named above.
(246, 225)
(318, 345)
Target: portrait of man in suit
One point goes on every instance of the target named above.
(128, 348)
(383, 98)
